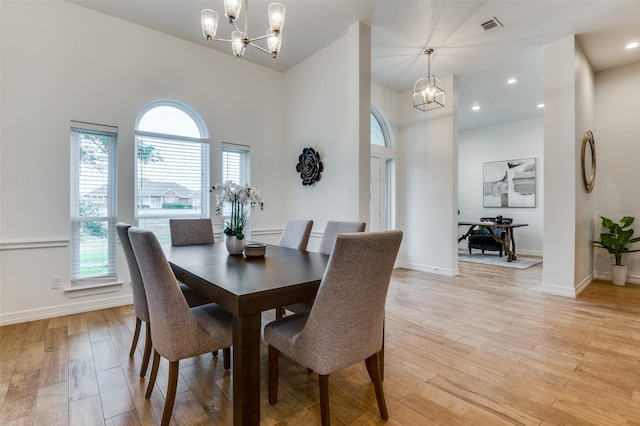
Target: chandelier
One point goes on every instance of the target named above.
(240, 39)
(428, 92)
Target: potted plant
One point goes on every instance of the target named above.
(616, 241)
(238, 196)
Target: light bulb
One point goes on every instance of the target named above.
(209, 22)
(232, 9)
(276, 16)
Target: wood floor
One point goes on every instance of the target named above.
(482, 348)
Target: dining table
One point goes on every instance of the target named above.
(246, 287)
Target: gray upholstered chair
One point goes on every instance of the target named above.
(177, 331)
(345, 324)
(296, 234)
(331, 231)
(186, 232)
(139, 297)
(334, 228)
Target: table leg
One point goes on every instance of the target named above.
(513, 243)
(246, 369)
(466, 234)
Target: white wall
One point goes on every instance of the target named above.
(427, 182)
(585, 202)
(569, 112)
(559, 167)
(506, 141)
(62, 62)
(324, 108)
(616, 132)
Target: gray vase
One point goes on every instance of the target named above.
(234, 245)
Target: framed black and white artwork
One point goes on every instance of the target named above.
(509, 183)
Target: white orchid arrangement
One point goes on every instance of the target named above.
(238, 196)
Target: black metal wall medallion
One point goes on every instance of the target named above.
(309, 166)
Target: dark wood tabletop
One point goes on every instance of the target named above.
(246, 287)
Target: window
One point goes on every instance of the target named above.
(93, 203)
(382, 193)
(377, 134)
(235, 167)
(235, 163)
(172, 166)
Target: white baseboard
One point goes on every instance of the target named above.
(558, 290)
(61, 310)
(607, 276)
(584, 284)
(427, 268)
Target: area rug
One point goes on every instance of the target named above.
(495, 260)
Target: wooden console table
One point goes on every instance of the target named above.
(509, 242)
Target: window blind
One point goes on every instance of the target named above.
(93, 202)
(377, 135)
(235, 167)
(172, 181)
(235, 163)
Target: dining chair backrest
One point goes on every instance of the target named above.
(296, 234)
(137, 288)
(334, 228)
(174, 329)
(191, 231)
(345, 324)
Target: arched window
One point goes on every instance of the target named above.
(377, 134)
(172, 165)
(382, 194)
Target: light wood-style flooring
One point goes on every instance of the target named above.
(482, 348)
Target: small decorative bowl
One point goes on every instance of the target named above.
(255, 250)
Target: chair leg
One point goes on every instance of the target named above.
(381, 353)
(154, 374)
(226, 357)
(325, 416)
(373, 367)
(174, 366)
(274, 357)
(279, 313)
(147, 352)
(136, 335)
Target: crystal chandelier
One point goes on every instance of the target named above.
(428, 92)
(240, 39)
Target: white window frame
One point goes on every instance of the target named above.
(109, 217)
(244, 152)
(163, 138)
(386, 154)
(243, 178)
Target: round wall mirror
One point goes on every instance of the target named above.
(588, 161)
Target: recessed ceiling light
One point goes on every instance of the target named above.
(540, 105)
(633, 45)
(511, 81)
(475, 107)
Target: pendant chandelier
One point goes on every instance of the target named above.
(428, 92)
(240, 39)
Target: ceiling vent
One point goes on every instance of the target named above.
(491, 24)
